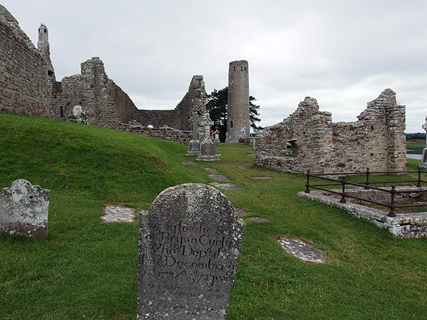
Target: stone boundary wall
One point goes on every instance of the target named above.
(164, 132)
(404, 225)
(24, 80)
(309, 140)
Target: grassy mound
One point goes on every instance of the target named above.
(86, 269)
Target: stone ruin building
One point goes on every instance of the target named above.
(309, 140)
(28, 86)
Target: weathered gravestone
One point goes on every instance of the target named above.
(189, 245)
(24, 209)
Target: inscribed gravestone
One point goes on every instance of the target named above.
(24, 209)
(189, 245)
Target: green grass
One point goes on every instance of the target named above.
(415, 146)
(86, 269)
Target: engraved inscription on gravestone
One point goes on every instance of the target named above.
(189, 245)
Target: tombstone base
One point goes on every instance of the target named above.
(423, 163)
(193, 148)
(208, 158)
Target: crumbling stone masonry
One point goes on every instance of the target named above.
(309, 140)
(28, 86)
(25, 84)
(238, 127)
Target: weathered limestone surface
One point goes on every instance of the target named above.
(24, 81)
(164, 132)
(238, 124)
(24, 209)
(309, 140)
(28, 86)
(189, 246)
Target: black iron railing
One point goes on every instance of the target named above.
(368, 184)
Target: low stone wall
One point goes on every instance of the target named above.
(404, 225)
(164, 132)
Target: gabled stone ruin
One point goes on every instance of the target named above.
(309, 140)
(28, 86)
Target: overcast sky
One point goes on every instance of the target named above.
(344, 53)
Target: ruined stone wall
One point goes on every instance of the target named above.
(90, 90)
(28, 86)
(106, 104)
(179, 117)
(308, 140)
(24, 81)
(164, 132)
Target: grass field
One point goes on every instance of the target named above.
(415, 146)
(86, 269)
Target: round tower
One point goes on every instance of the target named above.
(44, 49)
(238, 123)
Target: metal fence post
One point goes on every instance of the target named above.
(392, 192)
(343, 191)
(307, 190)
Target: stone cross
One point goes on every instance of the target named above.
(189, 245)
(194, 145)
(207, 123)
(207, 147)
(194, 124)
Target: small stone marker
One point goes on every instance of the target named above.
(189, 245)
(24, 209)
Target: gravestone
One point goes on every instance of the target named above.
(189, 245)
(207, 147)
(24, 209)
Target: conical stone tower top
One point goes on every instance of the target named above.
(44, 49)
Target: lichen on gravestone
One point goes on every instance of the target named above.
(189, 246)
(24, 209)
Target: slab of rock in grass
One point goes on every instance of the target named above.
(258, 219)
(219, 177)
(240, 212)
(302, 250)
(240, 167)
(226, 186)
(210, 170)
(115, 213)
(186, 163)
(261, 178)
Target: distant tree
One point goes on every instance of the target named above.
(217, 104)
(217, 107)
(415, 136)
(254, 113)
